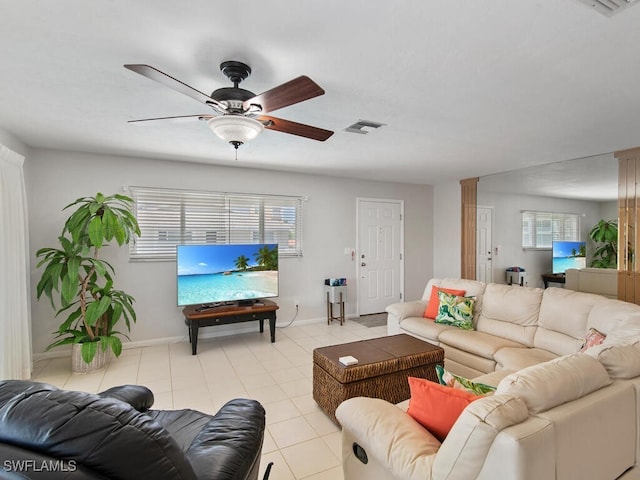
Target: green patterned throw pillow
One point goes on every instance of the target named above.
(455, 310)
(455, 381)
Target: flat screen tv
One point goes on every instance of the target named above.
(568, 255)
(211, 275)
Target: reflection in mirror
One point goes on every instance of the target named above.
(587, 187)
(629, 230)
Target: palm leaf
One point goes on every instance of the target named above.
(96, 232)
(88, 351)
(95, 310)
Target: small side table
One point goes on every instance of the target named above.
(335, 295)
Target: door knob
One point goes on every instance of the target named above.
(363, 264)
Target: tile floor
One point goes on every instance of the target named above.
(300, 439)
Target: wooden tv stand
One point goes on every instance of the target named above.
(196, 317)
(548, 278)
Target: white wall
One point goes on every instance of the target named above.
(12, 142)
(447, 231)
(55, 178)
(609, 210)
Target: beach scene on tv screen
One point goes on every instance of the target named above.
(219, 273)
(568, 255)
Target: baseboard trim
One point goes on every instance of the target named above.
(213, 332)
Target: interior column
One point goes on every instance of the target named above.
(628, 223)
(469, 192)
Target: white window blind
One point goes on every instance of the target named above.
(540, 229)
(171, 217)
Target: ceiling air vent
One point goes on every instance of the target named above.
(609, 7)
(360, 125)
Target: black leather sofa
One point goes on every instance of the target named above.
(48, 433)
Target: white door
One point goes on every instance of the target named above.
(379, 254)
(484, 270)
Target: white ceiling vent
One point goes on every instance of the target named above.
(359, 126)
(608, 7)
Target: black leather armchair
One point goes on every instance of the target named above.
(58, 434)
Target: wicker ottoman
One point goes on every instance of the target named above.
(382, 370)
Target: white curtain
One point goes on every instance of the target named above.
(15, 318)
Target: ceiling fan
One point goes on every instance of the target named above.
(240, 115)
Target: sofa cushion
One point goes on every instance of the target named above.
(472, 363)
(471, 287)
(601, 281)
(555, 382)
(182, 425)
(624, 332)
(518, 358)
(608, 314)
(424, 328)
(433, 307)
(455, 310)
(477, 343)
(437, 407)
(562, 324)
(510, 311)
(621, 361)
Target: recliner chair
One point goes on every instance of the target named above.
(50, 433)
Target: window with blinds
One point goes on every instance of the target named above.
(540, 229)
(171, 217)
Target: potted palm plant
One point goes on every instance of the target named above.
(80, 285)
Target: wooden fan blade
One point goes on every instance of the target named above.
(178, 119)
(173, 83)
(294, 91)
(300, 129)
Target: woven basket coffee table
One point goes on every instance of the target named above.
(381, 372)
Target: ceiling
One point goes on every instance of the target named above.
(465, 88)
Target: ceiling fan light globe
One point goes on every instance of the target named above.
(235, 128)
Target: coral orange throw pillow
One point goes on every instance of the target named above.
(437, 407)
(434, 302)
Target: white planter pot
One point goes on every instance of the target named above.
(78, 365)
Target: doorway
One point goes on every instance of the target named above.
(380, 263)
(484, 250)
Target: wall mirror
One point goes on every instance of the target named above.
(585, 186)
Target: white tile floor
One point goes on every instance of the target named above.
(300, 439)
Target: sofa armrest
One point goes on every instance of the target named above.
(389, 435)
(399, 311)
(464, 450)
(229, 446)
(139, 397)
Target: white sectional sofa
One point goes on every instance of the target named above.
(557, 414)
(601, 281)
(515, 326)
